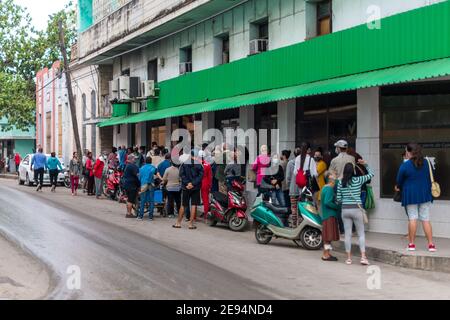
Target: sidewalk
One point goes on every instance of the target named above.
(21, 275)
(391, 249)
(11, 176)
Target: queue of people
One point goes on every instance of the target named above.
(340, 186)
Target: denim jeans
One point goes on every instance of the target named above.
(147, 197)
(277, 196)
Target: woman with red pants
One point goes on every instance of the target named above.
(206, 183)
(90, 174)
(74, 171)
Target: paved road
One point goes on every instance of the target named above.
(126, 259)
(114, 263)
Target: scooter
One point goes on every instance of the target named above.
(268, 219)
(230, 208)
(112, 184)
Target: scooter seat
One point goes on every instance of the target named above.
(221, 198)
(276, 209)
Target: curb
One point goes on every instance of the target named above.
(8, 176)
(55, 280)
(398, 259)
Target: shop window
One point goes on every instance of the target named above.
(266, 118)
(324, 18)
(156, 132)
(227, 119)
(421, 114)
(323, 120)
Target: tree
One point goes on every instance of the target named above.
(23, 51)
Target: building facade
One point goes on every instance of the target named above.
(52, 111)
(15, 141)
(375, 73)
(53, 117)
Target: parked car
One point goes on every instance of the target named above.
(26, 176)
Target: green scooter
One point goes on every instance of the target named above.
(268, 219)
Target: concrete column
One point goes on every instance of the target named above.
(143, 134)
(368, 132)
(168, 133)
(286, 124)
(208, 122)
(247, 123)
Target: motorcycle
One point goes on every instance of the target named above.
(268, 218)
(111, 187)
(67, 179)
(230, 208)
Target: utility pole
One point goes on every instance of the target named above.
(72, 106)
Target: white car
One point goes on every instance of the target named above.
(26, 176)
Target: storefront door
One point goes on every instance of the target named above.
(323, 120)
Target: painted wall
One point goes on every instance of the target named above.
(24, 147)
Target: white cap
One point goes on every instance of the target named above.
(341, 144)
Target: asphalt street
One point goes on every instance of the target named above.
(122, 258)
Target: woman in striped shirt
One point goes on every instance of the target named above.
(349, 195)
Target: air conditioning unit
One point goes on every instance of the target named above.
(185, 67)
(258, 46)
(114, 90)
(148, 89)
(136, 107)
(128, 88)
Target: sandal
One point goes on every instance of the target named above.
(348, 261)
(192, 227)
(176, 227)
(129, 216)
(365, 262)
(330, 258)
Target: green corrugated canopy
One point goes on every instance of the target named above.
(389, 76)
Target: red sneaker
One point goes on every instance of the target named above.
(431, 247)
(411, 247)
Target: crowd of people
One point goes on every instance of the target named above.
(340, 185)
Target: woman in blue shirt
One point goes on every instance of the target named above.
(53, 165)
(414, 181)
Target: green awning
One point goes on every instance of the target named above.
(113, 121)
(389, 76)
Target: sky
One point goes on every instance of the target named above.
(41, 9)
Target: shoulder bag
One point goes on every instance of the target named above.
(435, 187)
(363, 211)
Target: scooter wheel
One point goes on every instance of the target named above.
(311, 239)
(237, 224)
(262, 234)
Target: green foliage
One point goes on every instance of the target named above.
(24, 51)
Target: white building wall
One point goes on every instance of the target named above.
(290, 22)
(349, 13)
